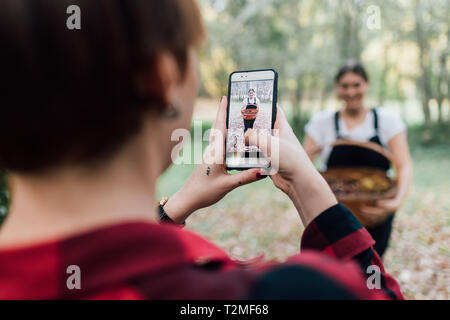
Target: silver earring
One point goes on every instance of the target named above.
(170, 111)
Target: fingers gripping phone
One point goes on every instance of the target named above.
(252, 100)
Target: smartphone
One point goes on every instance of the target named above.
(252, 101)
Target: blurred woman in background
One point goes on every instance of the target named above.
(355, 121)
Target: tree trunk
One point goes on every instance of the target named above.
(447, 73)
(382, 91)
(424, 81)
(441, 86)
(349, 40)
(296, 107)
(323, 96)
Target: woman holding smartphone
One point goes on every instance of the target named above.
(83, 162)
(355, 121)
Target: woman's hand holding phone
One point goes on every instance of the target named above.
(210, 180)
(292, 171)
(296, 175)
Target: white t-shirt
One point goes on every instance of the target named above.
(255, 100)
(321, 129)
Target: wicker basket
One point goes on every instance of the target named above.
(357, 186)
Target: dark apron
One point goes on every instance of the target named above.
(354, 156)
(248, 124)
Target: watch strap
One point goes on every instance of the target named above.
(163, 217)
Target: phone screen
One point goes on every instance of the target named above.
(251, 105)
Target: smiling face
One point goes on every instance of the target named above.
(251, 94)
(351, 89)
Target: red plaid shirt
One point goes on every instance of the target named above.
(141, 260)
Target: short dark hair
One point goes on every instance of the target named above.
(72, 96)
(251, 90)
(352, 66)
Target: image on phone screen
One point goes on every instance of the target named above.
(252, 99)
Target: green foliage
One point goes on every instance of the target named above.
(438, 137)
(3, 198)
(215, 68)
(307, 40)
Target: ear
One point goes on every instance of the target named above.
(162, 78)
(169, 74)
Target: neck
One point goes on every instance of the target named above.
(354, 112)
(70, 201)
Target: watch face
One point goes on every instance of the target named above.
(163, 217)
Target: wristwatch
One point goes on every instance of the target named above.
(163, 217)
